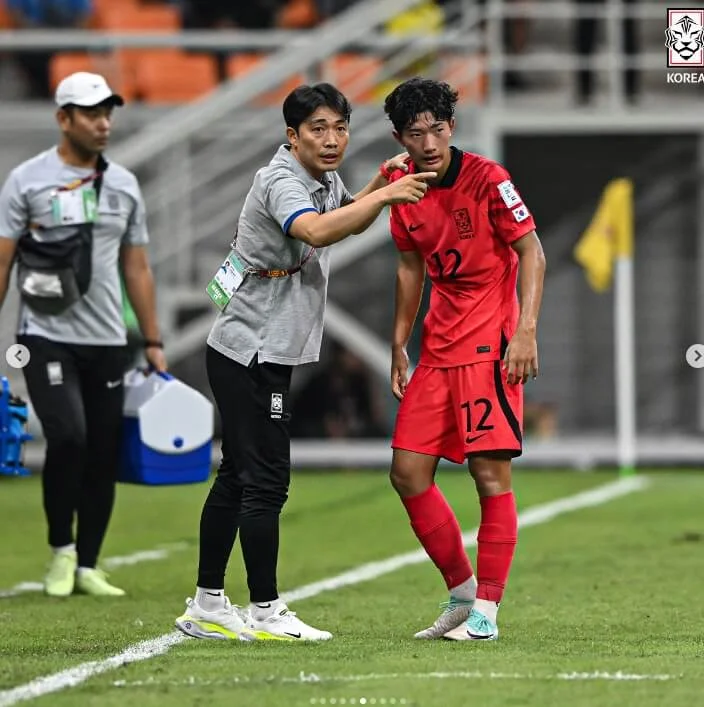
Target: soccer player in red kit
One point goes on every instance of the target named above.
(472, 235)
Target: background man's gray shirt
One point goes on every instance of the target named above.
(97, 318)
(279, 320)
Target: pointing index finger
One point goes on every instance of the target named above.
(426, 176)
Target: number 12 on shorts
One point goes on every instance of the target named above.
(478, 410)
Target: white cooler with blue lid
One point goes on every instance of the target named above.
(167, 431)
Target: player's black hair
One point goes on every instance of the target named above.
(303, 101)
(417, 96)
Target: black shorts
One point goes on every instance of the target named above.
(253, 402)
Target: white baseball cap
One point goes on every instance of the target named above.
(84, 89)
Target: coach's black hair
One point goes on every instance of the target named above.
(417, 96)
(303, 101)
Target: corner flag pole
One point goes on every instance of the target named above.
(624, 325)
(605, 248)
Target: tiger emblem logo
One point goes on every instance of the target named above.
(684, 40)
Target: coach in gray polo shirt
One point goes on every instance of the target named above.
(271, 291)
(71, 220)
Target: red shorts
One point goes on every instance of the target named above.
(457, 412)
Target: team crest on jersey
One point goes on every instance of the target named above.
(463, 223)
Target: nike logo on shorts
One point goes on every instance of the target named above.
(114, 384)
(471, 439)
(414, 227)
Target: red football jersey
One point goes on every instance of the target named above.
(464, 227)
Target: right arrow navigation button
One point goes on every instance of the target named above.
(695, 356)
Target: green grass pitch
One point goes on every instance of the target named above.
(603, 605)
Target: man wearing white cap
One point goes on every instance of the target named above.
(72, 220)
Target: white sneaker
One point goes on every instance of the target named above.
(226, 623)
(455, 614)
(284, 625)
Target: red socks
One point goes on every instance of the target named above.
(496, 544)
(438, 531)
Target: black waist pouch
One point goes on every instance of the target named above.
(54, 275)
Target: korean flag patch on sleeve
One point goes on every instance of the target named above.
(521, 213)
(509, 194)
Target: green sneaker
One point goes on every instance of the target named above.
(477, 628)
(60, 578)
(95, 583)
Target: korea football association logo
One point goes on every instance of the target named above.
(463, 223)
(684, 38)
(277, 406)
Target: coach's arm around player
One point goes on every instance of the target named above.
(521, 357)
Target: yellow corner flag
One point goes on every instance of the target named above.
(609, 235)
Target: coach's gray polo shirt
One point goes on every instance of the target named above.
(279, 320)
(97, 318)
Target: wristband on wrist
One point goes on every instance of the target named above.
(152, 344)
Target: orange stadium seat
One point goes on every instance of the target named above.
(466, 74)
(299, 14)
(101, 7)
(130, 60)
(130, 15)
(243, 63)
(109, 65)
(121, 16)
(354, 74)
(5, 19)
(175, 77)
(66, 63)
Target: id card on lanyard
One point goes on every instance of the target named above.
(72, 205)
(226, 281)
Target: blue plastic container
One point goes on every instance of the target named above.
(167, 431)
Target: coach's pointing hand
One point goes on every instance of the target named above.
(409, 189)
(399, 371)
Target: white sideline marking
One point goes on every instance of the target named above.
(157, 646)
(21, 588)
(160, 553)
(79, 674)
(306, 678)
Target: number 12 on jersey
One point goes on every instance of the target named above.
(448, 263)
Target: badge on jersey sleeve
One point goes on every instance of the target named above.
(509, 194)
(520, 213)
